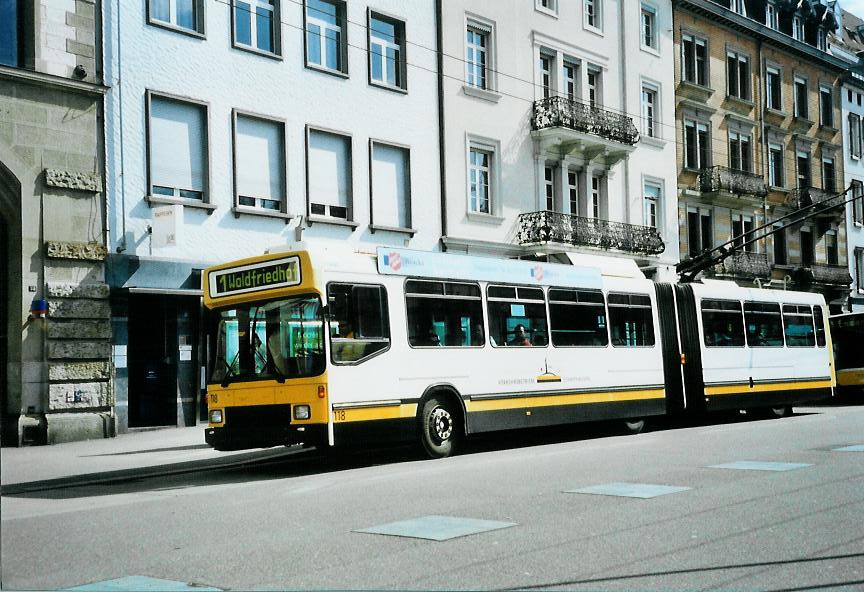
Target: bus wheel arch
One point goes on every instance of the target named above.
(441, 421)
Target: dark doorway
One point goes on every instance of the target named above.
(4, 315)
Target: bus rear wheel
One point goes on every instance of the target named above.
(440, 430)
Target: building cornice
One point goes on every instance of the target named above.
(722, 15)
(51, 81)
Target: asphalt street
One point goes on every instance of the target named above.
(293, 522)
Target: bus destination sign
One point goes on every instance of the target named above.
(266, 275)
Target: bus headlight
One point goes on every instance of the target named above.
(215, 416)
(301, 412)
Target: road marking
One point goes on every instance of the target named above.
(755, 465)
(436, 528)
(638, 490)
(143, 584)
(853, 448)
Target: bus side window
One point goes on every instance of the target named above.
(359, 321)
(517, 316)
(820, 326)
(723, 323)
(630, 320)
(448, 314)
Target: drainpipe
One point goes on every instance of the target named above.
(766, 154)
(439, 58)
(623, 49)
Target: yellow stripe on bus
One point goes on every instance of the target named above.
(851, 377)
(563, 399)
(735, 389)
(407, 410)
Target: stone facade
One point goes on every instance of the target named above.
(56, 366)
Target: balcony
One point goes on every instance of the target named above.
(722, 183)
(824, 273)
(554, 227)
(806, 197)
(566, 126)
(744, 265)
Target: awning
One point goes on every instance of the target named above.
(146, 275)
(608, 266)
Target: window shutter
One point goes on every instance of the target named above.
(260, 159)
(329, 177)
(390, 185)
(177, 136)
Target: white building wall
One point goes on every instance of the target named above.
(854, 171)
(502, 117)
(142, 57)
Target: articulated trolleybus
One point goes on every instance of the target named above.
(324, 347)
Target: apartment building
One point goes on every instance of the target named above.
(236, 126)
(848, 44)
(758, 110)
(558, 135)
(54, 316)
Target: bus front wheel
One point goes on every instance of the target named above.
(440, 430)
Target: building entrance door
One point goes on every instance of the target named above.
(152, 361)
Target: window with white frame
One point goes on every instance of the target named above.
(740, 152)
(858, 202)
(257, 25)
(480, 163)
(650, 123)
(177, 136)
(801, 107)
(700, 230)
(595, 87)
(391, 185)
(546, 66)
(802, 161)
(821, 39)
(742, 226)
(594, 14)
(386, 51)
(187, 15)
(651, 193)
(854, 121)
(697, 145)
(739, 7)
(326, 43)
(550, 6)
(832, 254)
(259, 162)
(597, 205)
(737, 75)
(477, 44)
(798, 28)
(829, 174)
(648, 26)
(694, 56)
(776, 167)
(773, 89)
(573, 191)
(859, 269)
(570, 73)
(771, 20)
(549, 187)
(329, 174)
(826, 106)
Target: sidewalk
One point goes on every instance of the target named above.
(133, 455)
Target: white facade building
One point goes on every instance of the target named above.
(257, 123)
(559, 127)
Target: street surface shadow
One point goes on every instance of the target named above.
(169, 449)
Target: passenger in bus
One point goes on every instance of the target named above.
(520, 337)
(429, 338)
(477, 334)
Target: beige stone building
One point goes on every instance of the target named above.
(758, 118)
(54, 311)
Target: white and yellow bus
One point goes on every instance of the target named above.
(326, 346)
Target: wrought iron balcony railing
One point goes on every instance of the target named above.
(564, 112)
(720, 178)
(554, 227)
(808, 196)
(744, 265)
(830, 274)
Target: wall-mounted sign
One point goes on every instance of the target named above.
(279, 273)
(167, 226)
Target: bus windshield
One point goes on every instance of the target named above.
(273, 340)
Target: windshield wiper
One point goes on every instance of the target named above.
(226, 380)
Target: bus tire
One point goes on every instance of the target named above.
(772, 412)
(440, 428)
(634, 426)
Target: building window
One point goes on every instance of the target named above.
(771, 20)
(700, 231)
(259, 162)
(781, 254)
(854, 135)
(808, 251)
(594, 14)
(387, 51)
(798, 28)
(326, 44)
(649, 26)
(651, 199)
(775, 165)
(802, 159)
(738, 75)
(391, 185)
(859, 270)
(829, 177)
(549, 187)
(826, 106)
(742, 226)
(329, 174)
(571, 71)
(547, 6)
(546, 62)
(595, 87)
(596, 197)
(573, 191)
(177, 149)
(182, 14)
(773, 89)
(738, 6)
(800, 97)
(477, 56)
(480, 163)
(831, 252)
(695, 59)
(11, 19)
(650, 123)
(821, 39)
(858, 202)
(697, 145)
(740, 152)
(257, 25)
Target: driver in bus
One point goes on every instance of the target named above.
(520, 338)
